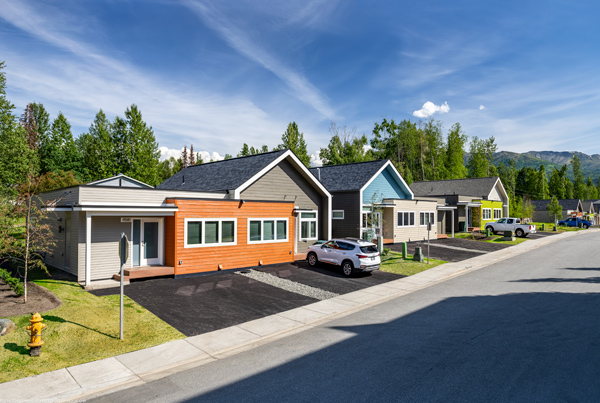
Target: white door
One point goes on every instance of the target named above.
(151, 248)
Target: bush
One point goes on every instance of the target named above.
(386, 251)
(12, 282)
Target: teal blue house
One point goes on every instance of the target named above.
(361, 193)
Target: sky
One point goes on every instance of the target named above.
(217, 74)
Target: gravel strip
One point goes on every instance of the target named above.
(287, 285)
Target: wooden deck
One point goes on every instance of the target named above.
(146, 272)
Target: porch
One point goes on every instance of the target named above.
(145, 272)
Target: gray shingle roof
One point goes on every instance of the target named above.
(567, 204)
(220, 175)
(477, 187)
(347, 177)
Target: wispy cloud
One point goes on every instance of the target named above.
(242, 42)
(481, 107)
(429, 108)
(82, 79)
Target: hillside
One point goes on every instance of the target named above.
(590, 164)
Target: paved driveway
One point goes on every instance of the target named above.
(197, 305)
(451, 249)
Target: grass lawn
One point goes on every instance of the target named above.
(84, 328)
(393, 263)
(492, 239)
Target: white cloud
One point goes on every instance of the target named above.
(315, 159)
(481, 107)
(241, 41)
(166, 153)
(429, 108)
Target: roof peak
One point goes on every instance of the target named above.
(351, 163)
(237, 158)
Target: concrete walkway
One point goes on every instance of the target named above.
(138, 367)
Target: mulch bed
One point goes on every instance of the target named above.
(39, 299)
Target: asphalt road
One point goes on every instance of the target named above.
(523, 330)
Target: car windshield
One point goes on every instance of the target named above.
(369, 249)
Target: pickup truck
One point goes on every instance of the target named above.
(574, 222)
(511, 224)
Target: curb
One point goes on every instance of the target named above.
(123, 371)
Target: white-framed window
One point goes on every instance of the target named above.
(205, 232)
(406, 218)
(426, 217)
(266, 230)
(486, 213)
(337, 214)
(309, 225)
(497, 213)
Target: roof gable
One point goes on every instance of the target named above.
(475, 187)
(120, 180)
(566, 204)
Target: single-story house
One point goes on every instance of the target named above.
(590, 210)
(476, 201)
(241, 212)
(371, 199)
(570, 207)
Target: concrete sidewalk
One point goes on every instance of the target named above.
(138, 367)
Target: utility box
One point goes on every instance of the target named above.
(418, 256)
(508, 236)
(404, 250)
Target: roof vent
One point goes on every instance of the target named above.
(182, 179)
(319, 174)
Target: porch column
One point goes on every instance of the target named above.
(88, 247)
(452, 222)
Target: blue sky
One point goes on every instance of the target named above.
(218, 74)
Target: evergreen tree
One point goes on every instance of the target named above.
(455, 153)
(31, 128)
(508, 177)
(555, 185)
(145, 155)
(168, 168)
(192, 156)
(228, 157)
(58, 150)
(436, 151)
(98, 150)
(569, 189)
(481, 157)
(42, 119)
(542, 182)
(294, 140)
(16, 155)
(184, 158)
(579, 186)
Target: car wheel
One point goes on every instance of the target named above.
(312, 259)
(519, 232)
(347, 268)
(585, 226)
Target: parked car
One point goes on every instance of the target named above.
(352, 254)
(575, 221)
(511, 224)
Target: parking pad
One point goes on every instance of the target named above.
(446, 253)
(196, 305)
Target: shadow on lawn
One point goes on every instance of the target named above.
(22, 350)
(58, 319)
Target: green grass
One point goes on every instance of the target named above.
(84, 328)
(394, 263)
(493, 239)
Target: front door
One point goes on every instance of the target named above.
(150, 238)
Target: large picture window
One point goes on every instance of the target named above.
(497, 213)
(267, 230)
(308, 225)
(486, 214)
(202, 232)
(426, 217)
(406, 218)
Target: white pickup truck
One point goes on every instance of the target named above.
(511, 224)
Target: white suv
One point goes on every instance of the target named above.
(352, 254)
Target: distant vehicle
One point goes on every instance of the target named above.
(352, 254)
(511, 224)
(574, 222)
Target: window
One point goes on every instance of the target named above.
(426, 217)
(267, 230)
(497, 213)
(201, 232)
(486, 213)
(337, 214)
(406, 218)
(308, 225)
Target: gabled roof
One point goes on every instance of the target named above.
(566, 204)
(476, 187)
(220, 175)
(590, 206)
(234, 174)
(119, 180)
(348, 177)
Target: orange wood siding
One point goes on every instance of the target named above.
(204, 259)
(170, 241)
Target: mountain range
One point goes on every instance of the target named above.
(590, 164)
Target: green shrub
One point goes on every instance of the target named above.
(386, 251)
(12, 282)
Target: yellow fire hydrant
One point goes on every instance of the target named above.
(36, 328)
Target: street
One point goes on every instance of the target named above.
(525, 329)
